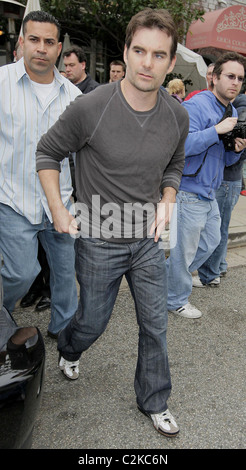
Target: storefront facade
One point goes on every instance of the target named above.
(222, 30)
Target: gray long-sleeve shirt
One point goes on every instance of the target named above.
(123, 157)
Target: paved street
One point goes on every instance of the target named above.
(207, 362)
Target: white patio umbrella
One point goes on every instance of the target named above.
(66, 44)
(191, 66)
(32, 5)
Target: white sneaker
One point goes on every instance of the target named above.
(187, 311)
(163, 422)
(215, 282)
(196, 282)
(69, 368)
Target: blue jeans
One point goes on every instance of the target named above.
(227, 196)
(196, 225)
(100, 266)
(19, 247)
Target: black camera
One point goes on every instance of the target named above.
(239, 130)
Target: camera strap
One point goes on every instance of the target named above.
(200, 167)
(227, 113)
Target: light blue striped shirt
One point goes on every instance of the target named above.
(23, 120)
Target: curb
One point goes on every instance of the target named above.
(236, 239)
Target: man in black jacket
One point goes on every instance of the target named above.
(74, 60)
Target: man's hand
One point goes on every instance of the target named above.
(63, 221)
(226, 125)
(240, 144)
(163, 212)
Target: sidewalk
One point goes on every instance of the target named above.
(237, 231)
(236, 254)
(207, 356)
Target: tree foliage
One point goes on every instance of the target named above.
(107, 20)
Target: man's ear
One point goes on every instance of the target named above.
(21, 41)
(59, 48)
(172, 64)
(125, 54)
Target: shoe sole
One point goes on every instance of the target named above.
(67, 376)
(206, 285)
(41, 309)
(166, 434)
(185, 316)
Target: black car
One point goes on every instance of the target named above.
(22, 361)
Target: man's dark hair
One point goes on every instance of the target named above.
(243, 89)
(78, 51)
(153, 18)
(41, 17)
(118, 62)
(228, 56)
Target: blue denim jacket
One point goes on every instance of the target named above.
(205, 156)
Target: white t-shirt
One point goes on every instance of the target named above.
(43, 90)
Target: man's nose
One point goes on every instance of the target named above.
(147, 61)
(42, 47)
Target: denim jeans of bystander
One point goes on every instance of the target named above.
(196, 226)
(227, 196)
(19, 247)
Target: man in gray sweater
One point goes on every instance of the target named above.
(129, 138)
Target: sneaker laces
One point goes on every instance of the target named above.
(71, 365)
(166, 416)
